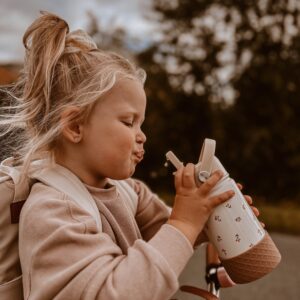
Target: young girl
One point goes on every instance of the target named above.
(83, 108)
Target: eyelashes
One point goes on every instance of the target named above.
(132, 122)
(128, 124)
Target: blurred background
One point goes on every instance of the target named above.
(227, 70)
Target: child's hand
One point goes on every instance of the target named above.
(193, 205)
(249, 201)
(202, 238)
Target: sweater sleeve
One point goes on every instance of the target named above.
(64, 256)
(152, 212)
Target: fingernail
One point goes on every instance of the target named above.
(231, 193)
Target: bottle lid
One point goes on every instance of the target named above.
(208, 163)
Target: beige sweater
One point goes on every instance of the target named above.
(64, 256)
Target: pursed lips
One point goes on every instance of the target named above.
(139, 154)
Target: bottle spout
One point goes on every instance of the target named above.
(170, 156)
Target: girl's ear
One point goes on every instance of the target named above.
(72, 129)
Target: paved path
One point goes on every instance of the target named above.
(282, 284)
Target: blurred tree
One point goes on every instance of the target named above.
(263, 126)
(229, 70)
(112, 36)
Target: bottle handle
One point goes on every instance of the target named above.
(203, 168)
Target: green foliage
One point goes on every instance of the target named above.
(228, 70)
(280, 218)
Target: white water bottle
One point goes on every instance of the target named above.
(244, 247)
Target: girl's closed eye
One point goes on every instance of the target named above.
(128, 123)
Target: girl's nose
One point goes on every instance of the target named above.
(141, 137)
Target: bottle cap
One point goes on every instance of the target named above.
(208, 163)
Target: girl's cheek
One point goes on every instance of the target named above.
(127, 141)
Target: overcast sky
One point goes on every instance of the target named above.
(17, 15)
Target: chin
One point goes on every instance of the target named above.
(123, 176)
(124, 172)
(130, 173)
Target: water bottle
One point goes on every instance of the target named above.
(245, 248)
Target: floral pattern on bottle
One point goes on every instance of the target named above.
(218, 218)
(230, 228)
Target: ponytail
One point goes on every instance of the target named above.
(44, 42)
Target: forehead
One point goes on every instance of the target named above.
(127, 94)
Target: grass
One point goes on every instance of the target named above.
(283, 217)
(280, 218)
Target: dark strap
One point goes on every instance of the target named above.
(199, 292)
(15, 210)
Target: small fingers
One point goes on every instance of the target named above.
(178, 177)
(221, 198)
(211, 182)
(248, 199)
(239, 186)
(255, 211)
(188, 177)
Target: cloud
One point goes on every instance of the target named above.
(17, 15)
(12, 24)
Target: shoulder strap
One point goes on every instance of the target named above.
(131, 196)
(8, 171)
(65, 181)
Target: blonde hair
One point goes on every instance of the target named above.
(61, 69)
